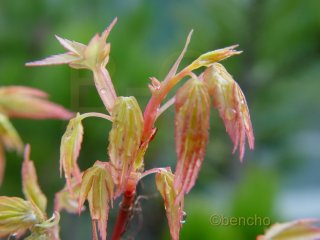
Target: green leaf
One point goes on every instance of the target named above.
(70, 149)
(125, 138)
(16, 216)
(31, 188)
(174, 210)
(97, 187)
(303, 229)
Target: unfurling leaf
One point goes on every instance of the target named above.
(25, 102)
(215, 56)
(31, 188)
(64, 200)
(304, 229)
(94, 57)
(232, 106)
(46, 230)
(175, 66)
(69, 150)
(90, 56)
(97, 187)
(174, 209)
(124, 138)
(191, 132)
(16, 216)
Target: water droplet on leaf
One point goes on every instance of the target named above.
(230, 113)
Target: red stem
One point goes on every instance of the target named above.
(150, 113)
(126, 206)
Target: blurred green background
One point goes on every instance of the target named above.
(279, 71)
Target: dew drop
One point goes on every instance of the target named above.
(184, 217)
(103, 91)
(12, 237)
(230, 113)
(198, 164)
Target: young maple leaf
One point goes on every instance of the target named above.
(30, 186)
(26, 102)
(23, 102)
(17, 216)
(124, 138)
(232, 106)
(97, 187)
(93, 56)
(191, 132)
(174, 210)
(69, 150)
(209, 58)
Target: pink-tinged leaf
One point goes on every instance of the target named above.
(104, 86)
(75, 53)
(72, 46)
(64, 58)
(24, 102)
(16, 216)
(97, 187)
(97, 52)
(70, 149)
(232, 106)
(22, 90)
(191, 132)
(30, 186)
(174, 209)
(304, 229)
(175, 66)
(106, 32)
(90, 56)
(94, 57)
(124, 139)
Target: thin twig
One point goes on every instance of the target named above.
(165, 106)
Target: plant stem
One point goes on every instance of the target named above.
(94, 114)
(104, 87)
(124, 213)
(151, 112)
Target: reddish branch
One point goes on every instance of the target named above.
(126, 206)
(151, 111)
